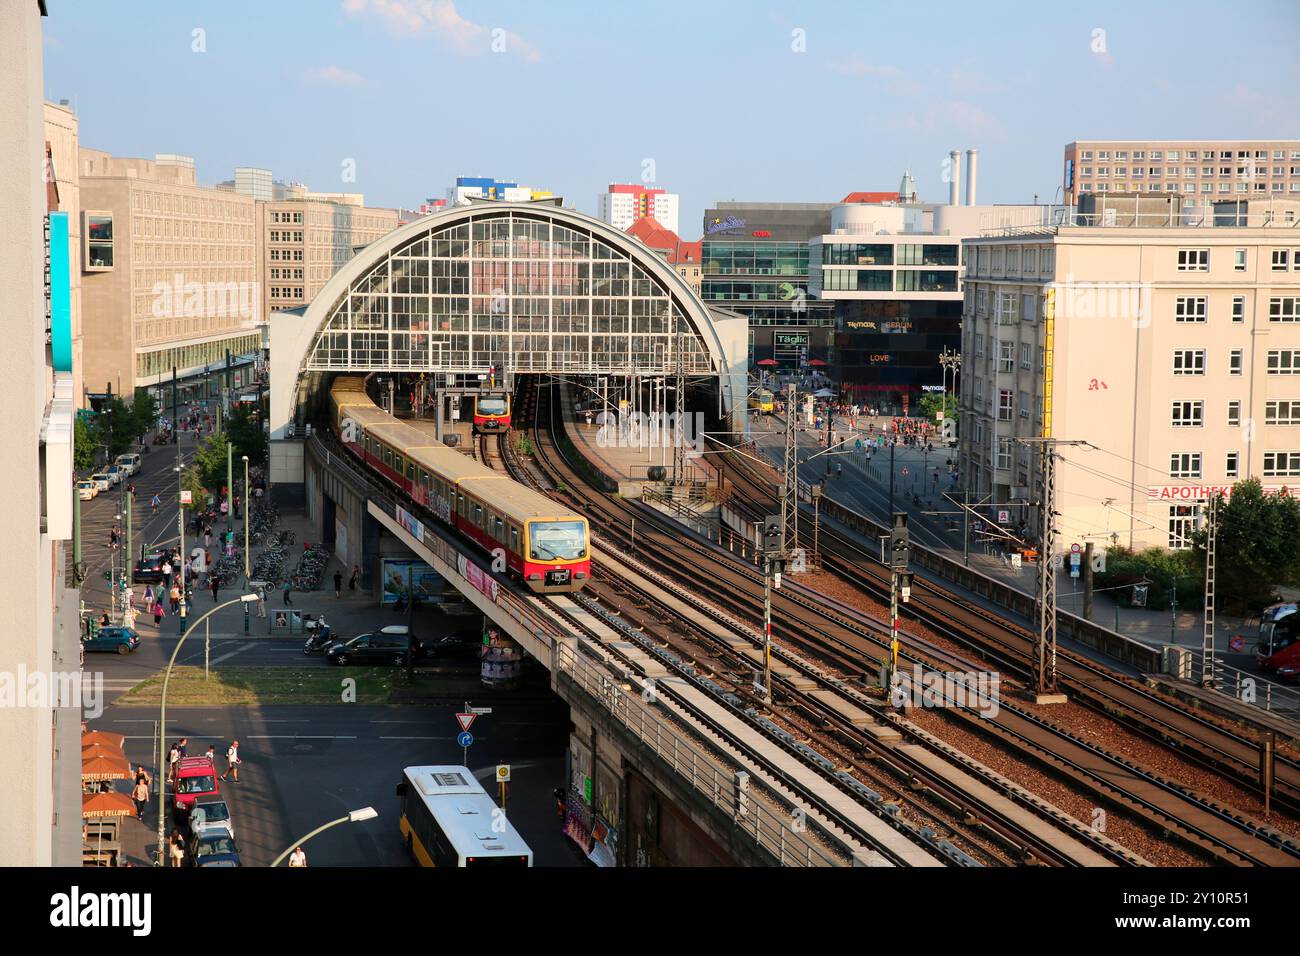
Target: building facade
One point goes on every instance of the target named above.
(1174, 353)
(63, 183)
(485, 187)
(681, 255)
(623, 204)
(170, 273)
(1211, 169)
(755, 263)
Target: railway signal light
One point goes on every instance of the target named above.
(773, 534)
(900, 543)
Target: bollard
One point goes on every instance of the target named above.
(246, 621)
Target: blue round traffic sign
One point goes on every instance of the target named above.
(465, 738)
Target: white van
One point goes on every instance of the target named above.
(130, 462)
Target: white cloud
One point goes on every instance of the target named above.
(335, 76)
(959, 116)
(440, 18)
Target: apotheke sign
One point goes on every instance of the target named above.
(1203, 492)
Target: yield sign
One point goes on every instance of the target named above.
(465, 720)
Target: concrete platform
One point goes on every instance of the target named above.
(625, 459)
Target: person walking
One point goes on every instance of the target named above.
(352, 581)
(214, 584)
(167, 573)
(178, 849)
(261, 601)
(288, 586)
(338, 584)
(232, 762)
(175, 596)
(148, 598)
(157, 614)
(212, 755)
(140, 794)
(173, 758)
(154, 503)
(297, 857)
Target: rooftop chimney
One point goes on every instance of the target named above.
(954, 178)
(971, 156)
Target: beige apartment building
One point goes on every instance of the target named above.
(306, 240)
(170, 272)
(1174, 352)
(1209, 169)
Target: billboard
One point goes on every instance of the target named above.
(399, 574)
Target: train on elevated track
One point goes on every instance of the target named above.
(546, 546)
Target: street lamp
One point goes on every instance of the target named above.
(354, 816)
(162, 716)
(247, 500)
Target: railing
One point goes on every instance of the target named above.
(1248, 688)
(707, 775)
(1123, 214)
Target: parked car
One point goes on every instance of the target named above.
(102, 481)
(148, 570)
(391, 645)
(112, 639)
(463, 643)
(131, 462)
(115, 474)
(211, 814)
(87, 490)
(214, 849)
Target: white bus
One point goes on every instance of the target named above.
(449, 820)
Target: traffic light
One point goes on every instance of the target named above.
(772, 534)
(900, 543)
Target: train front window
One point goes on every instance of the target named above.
(491, 406)
(556, 540)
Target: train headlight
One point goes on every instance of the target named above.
(534, 576)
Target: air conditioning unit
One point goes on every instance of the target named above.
(1177, 662)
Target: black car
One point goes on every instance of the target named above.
(214, 849)
(459, 645)
(376, 648)
(149, 570)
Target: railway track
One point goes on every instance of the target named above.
(1213, 743)
(849, 640)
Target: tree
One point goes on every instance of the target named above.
(932, 403)
(246, 435)
(207, 471)
(144, 413)
(114, 428)
(83, 445)
(1257, 544)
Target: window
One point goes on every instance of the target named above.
(1282, 464)
(1284, 362)
(1234, 412)
(1239, 260)
(1284, 308)
(1193, 260)
(1004, 453)
(1230, 465)
(1280, 260)
(1185, 464)
(1189, 361)
(1239, 308)
(1005, 404)
(1182, 522)
(1006, 356)
(1187, 414)
(1234, 361)
(1282, 412)
(1189, 308)
(1026, 356)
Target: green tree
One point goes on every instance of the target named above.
(932, 403)
(247, 437)
(114, 428)
(1256, 544)
(144, 413)
(207, 470)
(83, 444)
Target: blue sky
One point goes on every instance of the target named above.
(795, 101)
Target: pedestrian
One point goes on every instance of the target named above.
(184, 747)
(297, 857)
(352, 581)
(215, 584)
(207, 537)
(175, 595)
(288, 586)
(154, 503)
(157, 614)
(178, 849)
(212, 755)
(140, 794)
(261, 601)
(173, 758)
(338, 584)
(148, 598)
(232, 762)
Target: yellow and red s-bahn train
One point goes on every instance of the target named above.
(547, 546)
(491, 413)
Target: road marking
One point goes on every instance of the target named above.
(420, 738)
(300, 736)
(238, 650)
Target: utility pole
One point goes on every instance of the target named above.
(773, 547)
(891, 476)
(1087, 580)
(679, 403)
(230, 486)
(790, 488)
(900, 584)
(176, 432)
(965, 534)
(128, 569)
(1208, 676)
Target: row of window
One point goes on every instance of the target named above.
(1277, 464)
(1249, 171)
(286, 236)
(1188, 188)
(286, 255)
(1192, 361)
(1173, 155)
(290, 217)
(286, 292)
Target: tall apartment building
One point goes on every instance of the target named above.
(302, 242)
(170, 273)
(622, 204)
(1210, 169)
(1174, 351)
(40, 738)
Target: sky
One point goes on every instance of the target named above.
(712, 99)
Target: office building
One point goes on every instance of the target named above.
(1173, 343)
(1207, 169)
(254, 183)
(485, 187)
(622, 204)
(63, 184)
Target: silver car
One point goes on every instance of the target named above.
(211, 815)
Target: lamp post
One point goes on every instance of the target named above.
(355, 816)
(180, 534)
(162, 715)
(247, 542)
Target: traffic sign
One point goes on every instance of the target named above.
(904, 472)
(187, 497)
(465, 738)
(503, 773)
(1237, 642)
(479, 711)
(466, 720)
(1075, 548)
